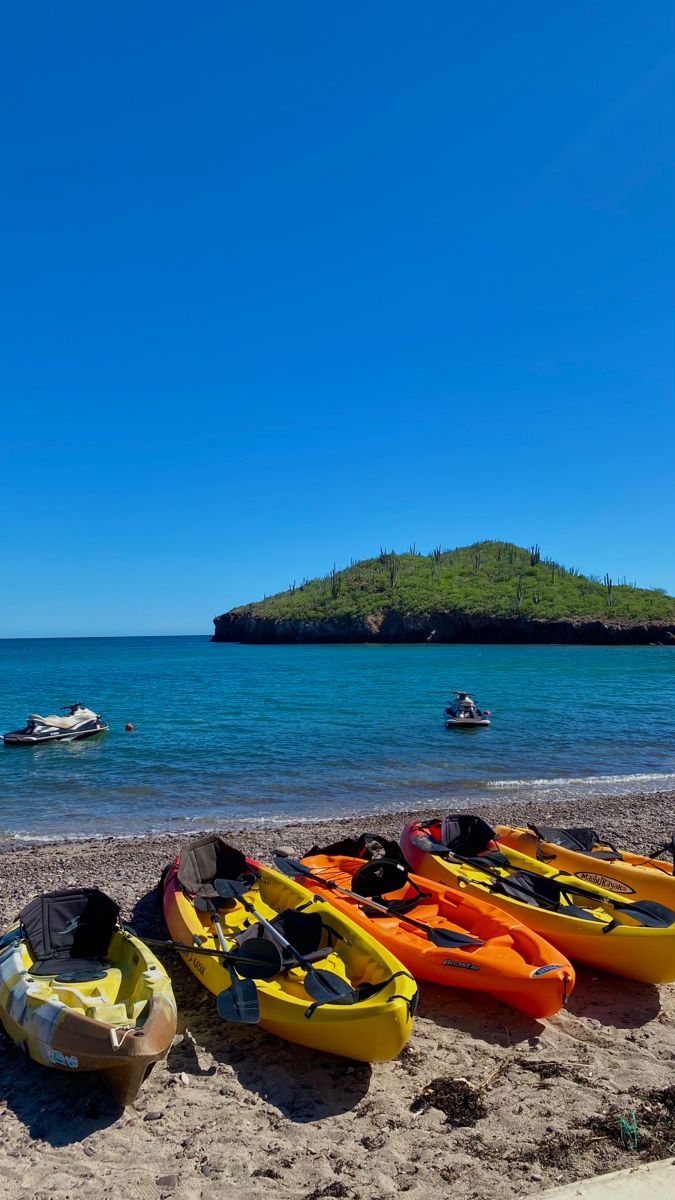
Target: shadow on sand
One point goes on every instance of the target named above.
(617, 1003)
(302, 1084)
(478, 1015)
(54, 1106)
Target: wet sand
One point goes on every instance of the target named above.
(233, 1107)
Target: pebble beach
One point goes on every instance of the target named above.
(483, 1102)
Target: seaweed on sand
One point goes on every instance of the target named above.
(458, 1099)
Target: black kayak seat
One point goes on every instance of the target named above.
(69, 932)
(207, 859)
(582, 840)
(302, 930)
(466, 834)
(360, 847)
(380, 876)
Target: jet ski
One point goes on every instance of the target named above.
(464, 713)
(79, 722)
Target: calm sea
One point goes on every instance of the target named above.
(227, 733)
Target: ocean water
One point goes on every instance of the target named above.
(228, 733)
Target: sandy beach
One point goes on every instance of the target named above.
(484, 1102)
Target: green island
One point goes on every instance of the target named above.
(454, 595)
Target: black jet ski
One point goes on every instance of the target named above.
(79, 722)
(463, 713)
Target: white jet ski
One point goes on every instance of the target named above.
(79, 722)
(464, 713)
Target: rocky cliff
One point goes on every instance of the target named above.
(392, 625)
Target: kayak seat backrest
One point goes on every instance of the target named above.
(568, 839)
(303, 930)
(378, 877)
(205, 860)
(70, 931)
(465, 834)
(359, 847)
(381, 876)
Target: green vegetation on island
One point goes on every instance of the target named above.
(494, 578)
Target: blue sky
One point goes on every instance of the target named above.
(282, 284)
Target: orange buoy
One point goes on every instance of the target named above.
(128, 727)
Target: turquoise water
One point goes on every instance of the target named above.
(227, 733)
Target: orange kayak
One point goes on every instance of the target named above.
(513, 963)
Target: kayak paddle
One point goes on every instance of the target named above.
(240, 1001)
(447, 938)
(325, 986)
(260, 960)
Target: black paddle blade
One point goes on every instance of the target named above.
(231, 889)
(450, 937)
(378, 877)
(239, 1002)
(327, 987)
(291, 866)
(258, 958)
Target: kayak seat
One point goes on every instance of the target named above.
(381, 876)
(205, 860)
(360, 847)
(73, 970)
(69, 932)
(303, 930)
(582, 840)
(466, 835)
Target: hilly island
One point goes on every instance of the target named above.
(487, 592)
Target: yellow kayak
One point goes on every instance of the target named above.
(371, 1023)
(588, 923)
(79, 993)
(581, 852)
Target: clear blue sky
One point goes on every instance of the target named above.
(285, 283)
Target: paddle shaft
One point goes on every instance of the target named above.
(368, 903)
(365, 900)
(219, 929)
(565, 888)
(274, 933)
(185, 948)
(324, 986)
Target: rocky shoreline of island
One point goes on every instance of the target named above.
(391, 625)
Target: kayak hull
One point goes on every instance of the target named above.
(373, 1030)
(634, 952)
(119, 1026)
(515, 965)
